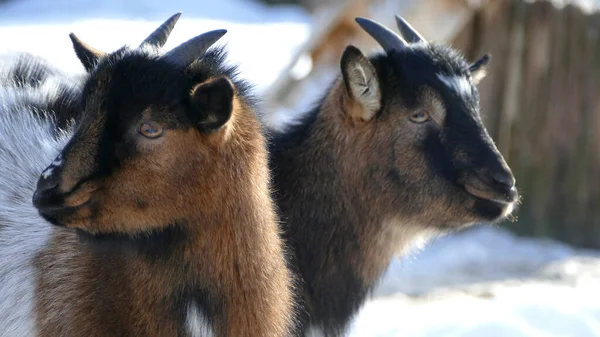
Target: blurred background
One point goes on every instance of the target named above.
(536, 276)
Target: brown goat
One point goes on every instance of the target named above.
(395, 151)
(165, 224)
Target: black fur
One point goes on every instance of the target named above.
(155, 245)
(214, 102)
(65, 108)
(321, 227)
(138, 79)
(130, 81)
(314, 227)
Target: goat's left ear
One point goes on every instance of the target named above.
(88, 55)
(362, 84)
(212, 103)
(479, 68)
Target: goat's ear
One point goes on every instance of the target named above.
(362, 84)
(212, 103)
(479, 68)
(88, 55)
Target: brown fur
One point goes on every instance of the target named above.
(215, 187)
(382, 237)
(355, 192)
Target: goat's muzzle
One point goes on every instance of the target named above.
(48, 198)
(493, 187)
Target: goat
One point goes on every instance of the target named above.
(395, 151)
(164, 223)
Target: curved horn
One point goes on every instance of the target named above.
(159, 37)
(408, 32)
(87, 54)
(191, 50)
(387, 38)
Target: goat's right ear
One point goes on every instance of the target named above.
(88, 55)
(362, 84)
(213, 103)
(478, 69)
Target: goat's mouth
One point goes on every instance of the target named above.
(491, 210)
(492, 205)
(498, 195)
(54, 206)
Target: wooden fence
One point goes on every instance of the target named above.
(541, 103)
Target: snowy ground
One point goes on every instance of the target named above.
(41, 27)
(487, 282)
(483, 282)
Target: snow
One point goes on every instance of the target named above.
(42, 27)
(487, 282)
(481, 282)
(483, 254)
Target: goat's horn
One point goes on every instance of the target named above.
(387, 38)
(191, 50)
(159, 37)
(408, 32)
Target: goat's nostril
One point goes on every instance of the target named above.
(504, 179)
(46, 185)
(47, 181)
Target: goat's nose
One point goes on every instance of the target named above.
(503, 178)
(48, 180)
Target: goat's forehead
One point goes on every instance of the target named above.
(441, 69)
(425, 61)
(134, 88)
(137, 68)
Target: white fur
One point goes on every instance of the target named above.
(11, 95)
(47, 172)
(14, 96)
(196, 323)
(50, 169)
(314, 331)
(508, 210)
(459, 84)
(27, 145)
(58, 161)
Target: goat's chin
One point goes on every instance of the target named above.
(53, 219)
(66, 216)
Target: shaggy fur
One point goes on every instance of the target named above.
(29, 83)
(356, 182)
(27, 145)
(356, 186)
(178, 237)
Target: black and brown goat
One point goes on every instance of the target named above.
(396, 150)
(160, 197)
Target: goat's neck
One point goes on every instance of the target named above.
(337, 233)
(227, 270)
(239, 258)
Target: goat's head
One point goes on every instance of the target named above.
(414, 114)
(150, 142)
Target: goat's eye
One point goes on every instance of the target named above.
(151, 130)
(420, 116)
